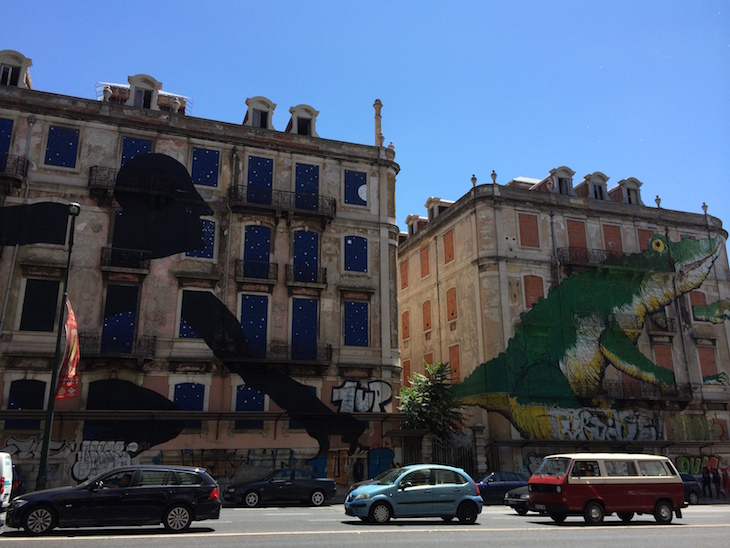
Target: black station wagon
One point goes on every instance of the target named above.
(132, 495)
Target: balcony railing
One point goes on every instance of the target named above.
(582, 256)
(125, 258)
(668, 325)
(102, 177)
(281, 200)
(305, 274)
(284, 352)
(15, 166)
(95, 344)
(257, 270)
(646, 391)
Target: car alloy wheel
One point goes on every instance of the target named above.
(251, 499)
(380, 512)
(177, 518)
(39, 520)
(317, 498)
(663, 512)
(467, 512)
(693, 498)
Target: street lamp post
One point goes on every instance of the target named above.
(73, 211)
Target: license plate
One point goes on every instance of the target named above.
(539, 507)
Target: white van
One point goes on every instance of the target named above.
(6, 484)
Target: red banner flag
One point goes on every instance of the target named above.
(68, 380)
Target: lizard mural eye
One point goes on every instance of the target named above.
(658, 245)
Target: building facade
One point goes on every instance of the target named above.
(232, 284)
(573, 316)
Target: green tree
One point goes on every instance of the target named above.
(428, 403)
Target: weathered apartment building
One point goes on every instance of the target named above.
(232, 284)
(574, 316)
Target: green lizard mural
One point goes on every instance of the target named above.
(563, 345)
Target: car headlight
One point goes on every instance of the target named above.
(525, 496)
(362, 496)
(19, 503)
(558, 489)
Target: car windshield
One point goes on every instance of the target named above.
(557, 466)
(390, 476)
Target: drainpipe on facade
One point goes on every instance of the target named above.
(438, 300)
(31, 121)
(234, 180)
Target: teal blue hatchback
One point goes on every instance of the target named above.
(417, 491)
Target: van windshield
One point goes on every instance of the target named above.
(553, 467)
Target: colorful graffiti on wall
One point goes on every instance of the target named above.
(564, 344)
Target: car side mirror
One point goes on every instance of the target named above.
(96, 485)
(490, 480)
(405, 484)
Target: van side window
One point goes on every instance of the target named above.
(653, 468)
(585, 468)
(620, 468)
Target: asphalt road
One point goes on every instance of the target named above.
(327, 526)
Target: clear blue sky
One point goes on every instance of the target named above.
(630, 88)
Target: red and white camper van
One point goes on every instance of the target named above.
(594, 485)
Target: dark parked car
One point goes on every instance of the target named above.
(519, 499)
(285, 485)
(132, 495)
(692, 488)
(493, 487)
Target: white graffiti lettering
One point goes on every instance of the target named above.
(351, 397)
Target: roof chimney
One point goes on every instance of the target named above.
(379, 138)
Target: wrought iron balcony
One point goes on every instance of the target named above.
(96, 344)
(14, 167)
(645, 391)
(582, 256)
(306, 274)
(114, 257)
(256, 270)
(283, 352)
(280, 201)
(102, 177)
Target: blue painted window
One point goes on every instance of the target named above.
(304, 329)
(249, 399)
(39, 306)
(189, 396)
(307, 187)
(298, 425)
(254, 321)
(205, 167)
(260, 179)
(6, 131)
(208, 242)
(356, 188)
(305, 256)
(62, 145)
(187, 332)
(356, 323)
(132, 146)
(356, 254)
(120, 318)
(256, 251)
(25, 394)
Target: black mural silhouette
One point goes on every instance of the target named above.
(161, 214)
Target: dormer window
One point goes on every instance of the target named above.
(564, 186)
(303, 121)
(304, 126)
(597, 192)
(260, 113)
(14, 69)
(9, 75)
(627, 191)
(143, 91)
(143, 98)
